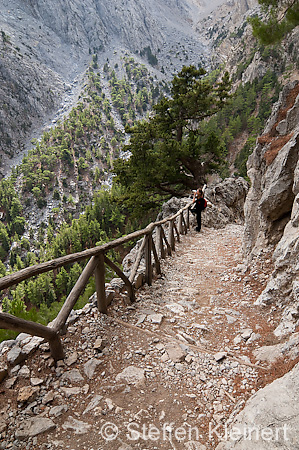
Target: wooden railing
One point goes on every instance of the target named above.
(163, 246)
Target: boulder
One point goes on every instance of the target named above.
(90, 367)
(33, 427)
(269, 419)
(73, 376)
(15, 356)
(132, 375)
(175, 353)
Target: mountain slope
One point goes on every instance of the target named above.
(45, 49)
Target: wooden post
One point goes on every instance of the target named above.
(100, 284)
(160, 245)
(56, 348)
(148, 260)
(166, 242)
(181, 223)
(74, 294)
(184, 224)
(123, 277)
(188, 219)
(157, 262)
(177, 232)
(171, 235)
(137, 261)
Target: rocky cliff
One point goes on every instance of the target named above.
(230, 36)
(272, 206)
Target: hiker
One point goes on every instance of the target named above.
(200, 205)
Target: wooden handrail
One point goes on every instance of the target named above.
(96, 266)
(9, 322)
(37, 269)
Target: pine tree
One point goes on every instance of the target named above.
(168, 155)
(282, 18)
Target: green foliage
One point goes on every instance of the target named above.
(102, 221)
(168, 153)
(12, 209)
(282, 17)
(245, 114)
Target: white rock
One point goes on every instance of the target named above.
(90, 367)
(155, 318)
(77, 426)
(93, 404)
(132, 375)
(175, 308)
(220, 356)
(74, 376)
(34, 427)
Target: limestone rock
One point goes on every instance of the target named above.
(100, 344)
(246, 334)
(9, 383)
(36, 381)
(93, 404)
(175, 308)
(272, 205)
(270, 353)
(77, 426)
(220, 356)
(90, 367)
(57, 411)
(34, 427)
(48, 398)
(117, 284)
(175, 353)
(3, 372)
(132, 375)
(70, 360)
(69, 392)
(24, 372)
(5, 345)
(274, 412)
(32, 345)
(15, 356)
(155, 318)
(74, 376)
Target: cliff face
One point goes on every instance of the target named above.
(46, 47)
(28, 92)
(272, 206)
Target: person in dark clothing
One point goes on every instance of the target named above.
(200, 205)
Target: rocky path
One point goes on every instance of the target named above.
(165, 373)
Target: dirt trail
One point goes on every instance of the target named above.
(153, 381)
